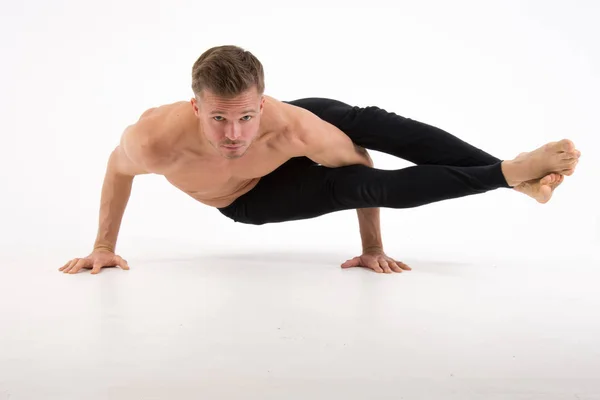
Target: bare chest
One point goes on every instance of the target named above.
(218, 182)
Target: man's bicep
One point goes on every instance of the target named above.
(128, 157)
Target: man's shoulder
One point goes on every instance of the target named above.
(159, 123)
(152, 138)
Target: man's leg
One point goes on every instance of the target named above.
(302, 189)
(377, 129)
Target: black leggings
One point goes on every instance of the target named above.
(446, 168)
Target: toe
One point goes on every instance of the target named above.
(546, 180)
(556, 178)
(569, 163)
(566, 145)
(570, 155)
(544, 194)
(558, 181)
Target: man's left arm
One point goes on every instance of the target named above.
(369, 221)
(329, 146)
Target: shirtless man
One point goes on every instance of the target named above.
(260, 160)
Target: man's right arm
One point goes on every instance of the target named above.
(125, 162)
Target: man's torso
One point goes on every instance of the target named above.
(191, 166)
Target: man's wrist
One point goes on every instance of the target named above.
(104, 247)
(372, 248)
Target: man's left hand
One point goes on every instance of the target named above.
(378, 261)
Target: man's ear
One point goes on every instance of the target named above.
(194, 103)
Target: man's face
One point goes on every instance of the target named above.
(229, 124)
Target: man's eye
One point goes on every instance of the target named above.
(247, 116)
(218, 119)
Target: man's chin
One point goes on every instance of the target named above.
(236, 152)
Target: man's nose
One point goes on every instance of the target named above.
(233, 131)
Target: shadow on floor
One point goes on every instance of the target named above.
(321, 258)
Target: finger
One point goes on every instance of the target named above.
(65, 266)
(71, 265)
(404, 266)
(78, 266)
(96, 267)
(375, 267)
(122, 263)
(354, 262)
(385, 266)
(395, 266)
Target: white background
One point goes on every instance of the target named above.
(504, 76)
(507, 78)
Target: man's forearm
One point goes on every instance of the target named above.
(369, 218)
(116, 190)
(370, 228)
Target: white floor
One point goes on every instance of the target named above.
(292, 325)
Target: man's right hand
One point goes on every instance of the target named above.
(97, 260)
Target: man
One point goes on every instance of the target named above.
(259, 160)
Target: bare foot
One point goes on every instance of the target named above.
(541, 189)
(558, 157)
